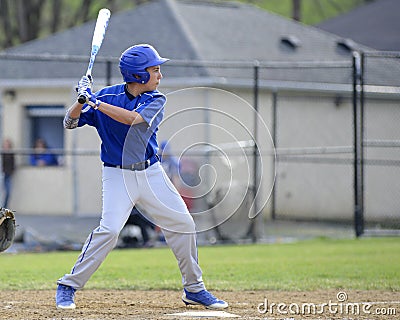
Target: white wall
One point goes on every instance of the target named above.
(322, 191)
(49, 190)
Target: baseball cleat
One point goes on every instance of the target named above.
(65, 297)
(203, 298)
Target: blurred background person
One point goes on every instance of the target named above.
(136, 218)
(169, 162)
(42, 156)
(8, 168)
(173, 168)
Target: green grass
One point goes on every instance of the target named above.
(365, 264)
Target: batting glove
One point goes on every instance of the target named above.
(87, 93)
(85, 83)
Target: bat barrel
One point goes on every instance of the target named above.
(98, 36)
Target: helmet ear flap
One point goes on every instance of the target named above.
(135, 76)
(141, 77)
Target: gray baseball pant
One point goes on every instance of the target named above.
(152, 189)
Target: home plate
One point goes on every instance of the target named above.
(205, 314)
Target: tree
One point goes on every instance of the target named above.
(25, 20)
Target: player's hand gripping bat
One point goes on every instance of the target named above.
(98, 36)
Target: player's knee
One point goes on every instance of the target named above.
(185, 225)
(111, 234)
(190, 225)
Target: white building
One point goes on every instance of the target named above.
(306, 71)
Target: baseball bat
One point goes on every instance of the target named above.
(98, 35)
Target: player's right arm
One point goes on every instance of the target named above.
(72, 116)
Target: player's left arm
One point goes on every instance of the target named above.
(150, 111)
(118, 114)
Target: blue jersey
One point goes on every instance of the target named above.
(123, 144)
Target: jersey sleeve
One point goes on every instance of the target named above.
(152, 110)
(87, 116)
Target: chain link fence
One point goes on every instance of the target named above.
(381, 142)
(267, 149)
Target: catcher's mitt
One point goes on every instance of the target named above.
(7, 228)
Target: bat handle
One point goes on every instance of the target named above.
(82, 98)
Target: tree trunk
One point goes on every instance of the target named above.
(5, 19)
(22, 19)
(55, 15)
(28, 16)
(111, 5)
(296, 10)
(85, 10)
(34, 16)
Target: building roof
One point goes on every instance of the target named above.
(375, 25)
(193, 30)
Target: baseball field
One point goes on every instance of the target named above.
(314, 279)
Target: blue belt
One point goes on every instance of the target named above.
(138, 166)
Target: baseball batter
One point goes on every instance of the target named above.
(126, 117)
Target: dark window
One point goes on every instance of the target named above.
(46, 122)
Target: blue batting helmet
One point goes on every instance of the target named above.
(134, 61)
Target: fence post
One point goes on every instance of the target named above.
(362, 163)
(108, 72)
(252, 228)
(358, 143)
(275, 159)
